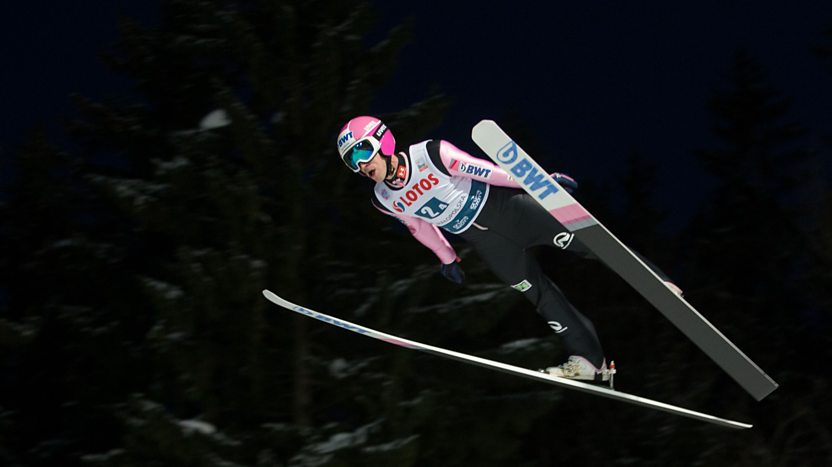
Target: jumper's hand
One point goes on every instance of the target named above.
(568, 183)
(453, 272)
(675, 288)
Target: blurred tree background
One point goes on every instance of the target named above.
(133, 331)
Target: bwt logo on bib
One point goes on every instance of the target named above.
(524, 170)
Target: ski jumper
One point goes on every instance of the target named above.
(445, 187)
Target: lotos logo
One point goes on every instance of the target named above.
(344, 138)
(416, 190)
(525, 172)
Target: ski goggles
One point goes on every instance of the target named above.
(361, 151)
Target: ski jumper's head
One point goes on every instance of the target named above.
(361, 138)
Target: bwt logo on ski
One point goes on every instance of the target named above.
(417, 190)
(524, 171)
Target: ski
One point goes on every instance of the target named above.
(586, 228)
(503, 367)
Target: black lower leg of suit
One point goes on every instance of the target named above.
(511, 222)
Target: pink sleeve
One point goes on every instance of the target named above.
(428, 235)
(460, 163)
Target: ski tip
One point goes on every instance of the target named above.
(479, 126)
(269, 294)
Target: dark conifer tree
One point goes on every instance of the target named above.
(160, 234)
(749, 253)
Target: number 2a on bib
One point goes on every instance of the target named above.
(432, 209)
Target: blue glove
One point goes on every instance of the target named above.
(568, 183)
(453, 272)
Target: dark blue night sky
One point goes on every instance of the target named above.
(599, 80)
(53, 51)
(594, 81)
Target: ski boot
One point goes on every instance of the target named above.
(579, 368)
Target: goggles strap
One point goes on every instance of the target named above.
(389, 162)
